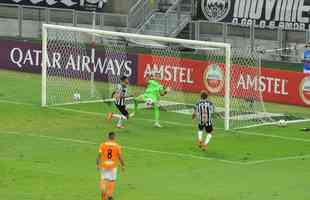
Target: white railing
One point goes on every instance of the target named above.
(170, 20)
(26, 21)
(140, 12)
(292, 42)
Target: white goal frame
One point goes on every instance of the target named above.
(207, 44)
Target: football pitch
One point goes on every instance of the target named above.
(49, 153)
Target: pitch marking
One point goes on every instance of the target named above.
(273, 136)
(167, 122)
(187, 125)
(161, 152)
(278, 159)
(125, 147)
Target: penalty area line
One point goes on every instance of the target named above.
(278, 159)
(134, 118)
(272, 136)
(180, 155)
(16, 102)
(273, 123)
(93, 113)
(188, 125)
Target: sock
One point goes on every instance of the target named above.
(117, 116)
(156, 113)
(103, 195)
(208, 138)
(136, 101)
(111, 186)
(120, 119)
(135, 105)
(200, 136)
(120, 122)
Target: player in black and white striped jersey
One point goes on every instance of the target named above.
(203, 113)
(120, 96)
(121, 92)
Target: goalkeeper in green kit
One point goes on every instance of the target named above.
(151, 96)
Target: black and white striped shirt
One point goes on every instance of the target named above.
(121, 94)
(203, 111)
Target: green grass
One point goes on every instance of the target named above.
(49, 153)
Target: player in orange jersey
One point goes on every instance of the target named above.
(109, 156)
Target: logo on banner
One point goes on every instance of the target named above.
(87, 5)
(307, 61)
(304, 90)
(214, 78)
(215, 10)
(100, 3)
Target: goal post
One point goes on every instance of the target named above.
(44, 67)
(63, 44)
(227, 86)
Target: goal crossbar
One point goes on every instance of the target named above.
(138, 36)
(225, 46)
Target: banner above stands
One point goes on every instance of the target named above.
(269, 14)
(83, 5)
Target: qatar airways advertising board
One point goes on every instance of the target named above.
(27, 57)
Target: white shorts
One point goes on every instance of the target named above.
(108, 174)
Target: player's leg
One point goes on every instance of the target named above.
(124, 116)
(111, 186)
(111, 183)
(120, 117)
(116, 116)
(156, 114)
(136, 102)
(103, 185)
(209, 130)
(200, 135)
(103, 189)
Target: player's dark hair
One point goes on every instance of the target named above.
(123, 78)
(111, 135)
(204, 94)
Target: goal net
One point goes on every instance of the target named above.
(83, 65)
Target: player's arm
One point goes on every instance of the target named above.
(121, 160)
(99, 157)
(98, 161)
(118, 92)
(194, 113)
(212, 108)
